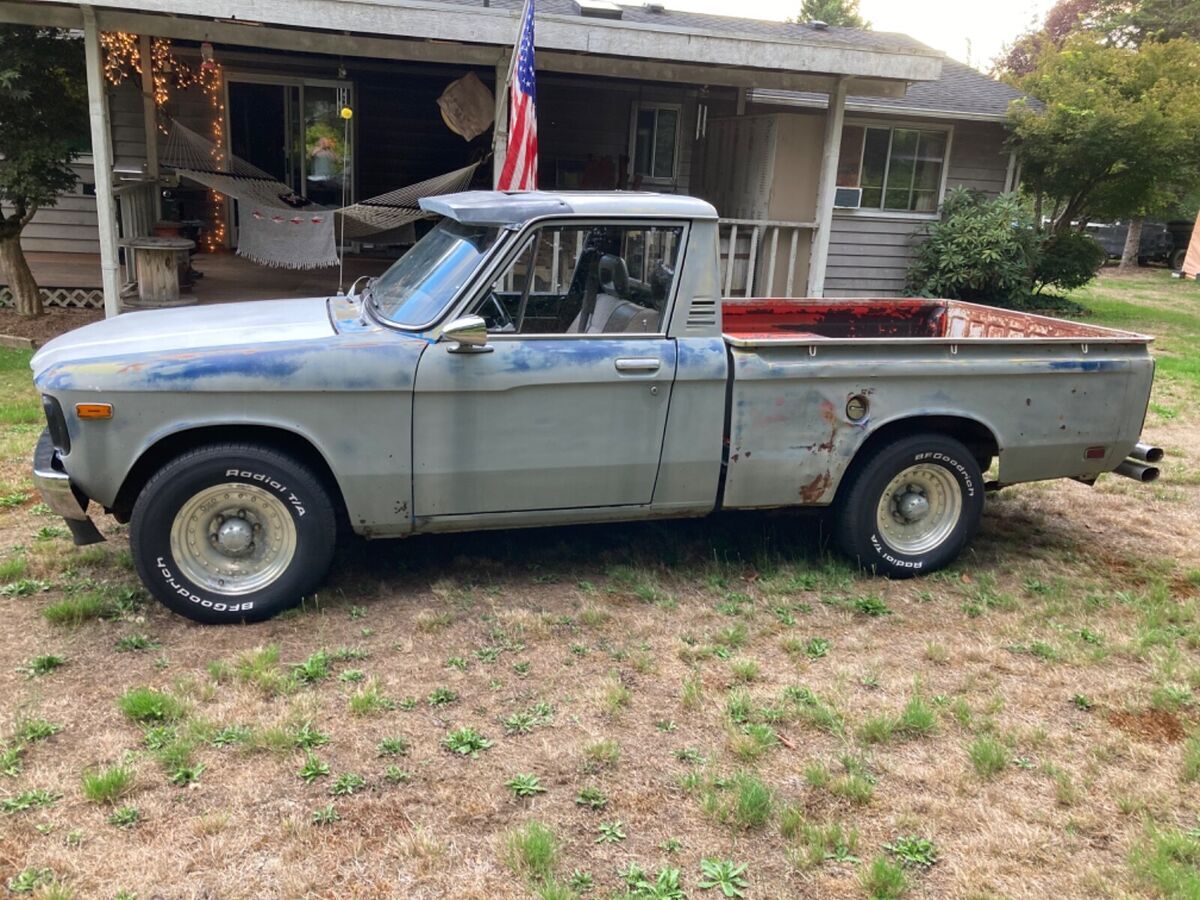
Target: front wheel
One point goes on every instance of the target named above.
(232, 533)
(911, 507)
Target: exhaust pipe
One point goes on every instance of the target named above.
(1137, 471)
(1146, 453)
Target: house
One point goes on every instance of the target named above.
(824, 149)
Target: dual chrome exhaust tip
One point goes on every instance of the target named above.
(1140, 466)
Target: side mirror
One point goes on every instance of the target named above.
(469, 334)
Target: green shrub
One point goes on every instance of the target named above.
(1067, 261)
(989, 250)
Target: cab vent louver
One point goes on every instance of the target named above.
(702, 314)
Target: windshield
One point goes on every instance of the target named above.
(421, 282)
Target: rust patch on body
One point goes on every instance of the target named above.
(815, 489)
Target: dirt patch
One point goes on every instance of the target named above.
(56, 321)
(1151, 725)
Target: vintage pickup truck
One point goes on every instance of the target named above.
(546, 358)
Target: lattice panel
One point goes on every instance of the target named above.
(71, 298)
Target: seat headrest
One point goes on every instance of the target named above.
(614, 275)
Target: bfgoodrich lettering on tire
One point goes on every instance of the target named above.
(232, 533)
(911, 507)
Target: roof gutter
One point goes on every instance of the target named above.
(770, 98)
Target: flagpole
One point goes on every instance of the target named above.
(503, 103)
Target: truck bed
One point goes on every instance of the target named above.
(753, 322)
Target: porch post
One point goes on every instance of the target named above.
(150, 119)
(106, 211)
(500, 125)
(825, 192)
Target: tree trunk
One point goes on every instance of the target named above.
(26, 296)
(1133, 244)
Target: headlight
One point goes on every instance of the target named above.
(57, 423)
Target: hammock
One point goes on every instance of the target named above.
(278, 228)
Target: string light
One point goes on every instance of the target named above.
(212, 83)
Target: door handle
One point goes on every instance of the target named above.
(649, 364)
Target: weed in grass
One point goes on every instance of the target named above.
(592, 798)
(871, 605)
(393, 746)
(752, 802)
(724, 875)
(988, 756)
(352, 676)
(522, 669)
(527, 720)
(525, 785)
(325, 815)
(817, 647)
(816, 844)
(913, 851)
(918, 718)
(129, 643)
(185, 775)
(397, 775)
(24, 587)
(125, 816)
(107, 785)
(815, 712)
(877, 729)
(732, 637)
(753, 741)
(553, 889)
(458, 663)
(158, 737)
(313, 669)
(314, 767)
(307, 736)
(27, 800)
(531, 851)
(28, 880)
(74, 611)
(10, 570)
(692, 697)
(346, 784)
(615, 695)
(745, 670)
(369, 700)
(145, 704)
(603, 754)
(230, 735)
(884, 880)
(689, 755)
(1191, 759)
(666, 725)
(1083, 701)
(937, 654)
(466, 741)
(43, 665)
(665, 884)
(10, 759)
(441, 696)
(610, 832)
(1168, 861)
(581, 882)
(738, 707)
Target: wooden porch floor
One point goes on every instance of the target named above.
(227, 277)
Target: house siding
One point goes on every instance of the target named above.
(869, 255)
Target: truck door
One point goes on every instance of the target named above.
(566, 405)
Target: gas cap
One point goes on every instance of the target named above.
(856, 408)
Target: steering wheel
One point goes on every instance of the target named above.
(502, 319)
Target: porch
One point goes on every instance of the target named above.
(625, 101)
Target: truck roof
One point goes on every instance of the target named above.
(518, 207)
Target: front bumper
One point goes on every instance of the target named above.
(64, 498)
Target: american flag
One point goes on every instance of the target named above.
(520, 163)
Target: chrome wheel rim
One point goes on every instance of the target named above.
(233, 539)
(919, 509)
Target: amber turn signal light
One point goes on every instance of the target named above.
(94, 410)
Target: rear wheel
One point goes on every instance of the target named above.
(232, 533)
(911, 507)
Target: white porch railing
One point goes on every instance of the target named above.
(137, 214)
(760, 257)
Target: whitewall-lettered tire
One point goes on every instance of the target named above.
(232, 533)
(911, 507)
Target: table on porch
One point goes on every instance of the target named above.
(158, 269)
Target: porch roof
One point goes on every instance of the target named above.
(642, 43)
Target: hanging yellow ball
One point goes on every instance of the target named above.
(347, 112)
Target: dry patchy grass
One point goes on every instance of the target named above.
(678, 692)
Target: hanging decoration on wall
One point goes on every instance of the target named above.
(123, 59)
(467, 107)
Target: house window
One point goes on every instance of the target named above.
(656, 142)
(898, 169)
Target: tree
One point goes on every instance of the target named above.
(1117, 135)
(42, 106)
(832, 12)
(1065, 18)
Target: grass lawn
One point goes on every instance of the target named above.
(704, 709)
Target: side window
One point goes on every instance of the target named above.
(586, 279)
